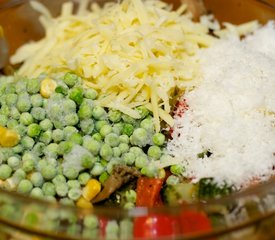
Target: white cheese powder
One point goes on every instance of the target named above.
(231, 113)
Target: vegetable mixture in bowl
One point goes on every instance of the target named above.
(134, 104)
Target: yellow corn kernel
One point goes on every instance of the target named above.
(47, 87)
(9, 138)
(83, 203)
(91, 189)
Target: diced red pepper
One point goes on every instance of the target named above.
(194, 222)
(155, 226)
(148, 191)
(102, 222)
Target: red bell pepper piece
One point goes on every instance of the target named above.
(155, 226)
(148, 191)
(194, 222)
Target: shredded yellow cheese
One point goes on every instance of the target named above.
(134, 52)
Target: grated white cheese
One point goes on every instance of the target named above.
(119, 48)
(231, 113)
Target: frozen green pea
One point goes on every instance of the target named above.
(69, 105)
(5, 171)
(65, 147)
(131, 195)
(66, 201)
(70, 79)
(19, 174)
(37, 193)
(20, 129)
(99, 113)
(128, 158)
(63, 89)
(5, 110)
(154, 152)
(11, 99)
(46, 124)
(126, 227)
(37, 100)
(97, 137)
(33, 130)
(112, 230)
(147, 124)
(150, 170)
(124, 139)
(103, 177)
(46, 137)
(83, 178)
(28, 164)
(20, 87)
(57, 135)
(74, 193)
(99, 124)
(112, 139)
(141, 161)
(69, 131)
(70, 173)
(3, 120)
(143, 111)
(97, 169)
(48, 189)
(87, 126)
(61, 189)
(73, 184)
(128, 129)
(33, 86)
(177, 169)
(114, 116)
(24, 103)
(58, 179)
(92, 145)
(140, 137)
(116, 152)
(117, 128)
(90, 221)
(25, 186)
(172, 180)
(51, 150)
(87, 161)
(18, 149)
(71, 119)
(50, 199)
(90, 93)
(136, 151)
(76, 94)
(12, 123)
(106, 152)
(41, 163)
(26, 118)
(36, 179)
(85, 111)
(14, 113)
(14, 162)
(105, 130)
(124, 147)
(27, 142)
(48, 172)
(38, 113)
(76, 138)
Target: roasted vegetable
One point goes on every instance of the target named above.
(180, 193)
(208, 188)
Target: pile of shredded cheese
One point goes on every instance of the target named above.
(133, 52)
(231, 113)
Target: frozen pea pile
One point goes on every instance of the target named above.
(67, 139)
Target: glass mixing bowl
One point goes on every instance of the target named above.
(249, 214)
